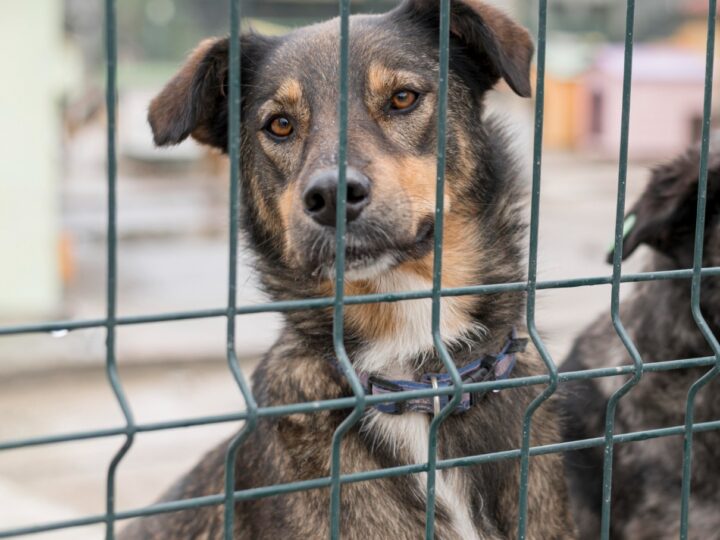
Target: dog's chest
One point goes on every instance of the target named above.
(413, 336)
(407, 438)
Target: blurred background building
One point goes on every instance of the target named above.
(172, 217)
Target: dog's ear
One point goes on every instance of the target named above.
(492, 38)
(664, 216)
(194, 102)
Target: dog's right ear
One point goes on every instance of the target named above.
(499, 47)
(664, 216)
(194, 102)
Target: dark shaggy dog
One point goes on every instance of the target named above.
(647, 475)
(289, 164)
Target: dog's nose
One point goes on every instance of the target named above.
(320, 196)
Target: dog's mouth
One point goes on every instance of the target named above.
(369, 251)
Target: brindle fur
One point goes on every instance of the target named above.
(647, 474)
(297, 75)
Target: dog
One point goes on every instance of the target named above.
(647, 475)
(289, 149)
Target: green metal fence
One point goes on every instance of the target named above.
(360, 401)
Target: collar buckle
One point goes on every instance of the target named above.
(436, 399)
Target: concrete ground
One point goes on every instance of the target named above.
(173, 256)
(66, 481)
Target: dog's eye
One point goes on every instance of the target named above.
(280, 127)
(403, 100)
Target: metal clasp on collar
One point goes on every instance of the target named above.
(436, 398)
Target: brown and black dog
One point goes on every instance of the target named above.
(289, 180)
(647, 474)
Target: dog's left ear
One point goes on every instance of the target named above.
(664, 216)
(498, 44)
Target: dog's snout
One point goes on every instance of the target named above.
(320, 196)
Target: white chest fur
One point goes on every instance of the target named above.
(394, 357)
(408, 435)
(396, 353)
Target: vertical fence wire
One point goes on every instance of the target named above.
(110, 360)
(444, 59)
(696, 279)
(233, 364)
(338, 305)
(617, 273)
(532, 274)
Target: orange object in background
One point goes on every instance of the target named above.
(565, 112)
(66, 261)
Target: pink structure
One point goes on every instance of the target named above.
(666, 107)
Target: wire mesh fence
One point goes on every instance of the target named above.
(358, 403)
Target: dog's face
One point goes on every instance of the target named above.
(664, 216)
(290, 127)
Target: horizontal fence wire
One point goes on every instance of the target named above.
(320, 303)
(359, 401)
(308, 407)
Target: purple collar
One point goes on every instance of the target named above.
(488, 368)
